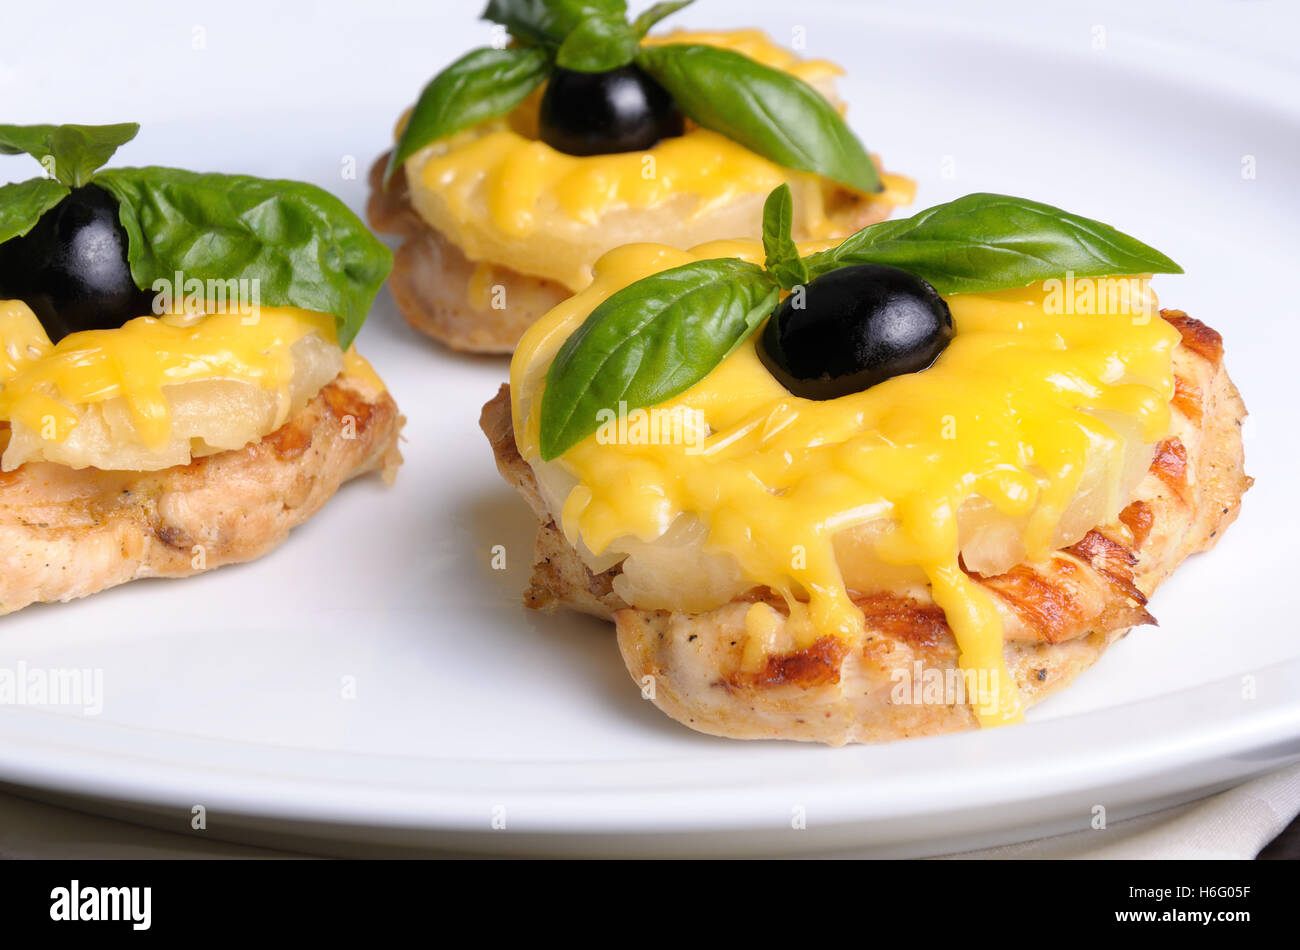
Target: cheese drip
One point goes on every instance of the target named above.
(1028, 430)
(504, 197)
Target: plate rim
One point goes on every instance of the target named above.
(1193, 730)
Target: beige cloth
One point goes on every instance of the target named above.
(1233, 824)
(1237, 823)
(31, 829)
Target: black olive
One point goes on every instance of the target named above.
(71, 268)
(853, 328)
(622, 110)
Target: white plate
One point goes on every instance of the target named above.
(226, 690)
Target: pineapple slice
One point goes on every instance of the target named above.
(207, 416)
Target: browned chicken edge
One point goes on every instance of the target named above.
(66, 533)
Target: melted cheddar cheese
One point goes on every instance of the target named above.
(52, 389)
(1030, 428)
(505, 197)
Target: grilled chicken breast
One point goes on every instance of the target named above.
(434, 283)
(1059, 616)
(66, 533)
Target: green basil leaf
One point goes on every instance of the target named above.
(650, 341)
(549, 21)
(32, 139)
(598, 44)
(302, 245)
(646, 21)
(769, 112)
(783, 259)
(77, 150)
(480, 85)
(984, 242)
(23, 203)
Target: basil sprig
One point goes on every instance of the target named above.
(302, 245)
(783, 260)
(598, 44)
(659, 336)
(650, 341)
(68, 153)
(984, 242)
(480, 85)
(549, 21)
(769, 112)
(75, 150)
